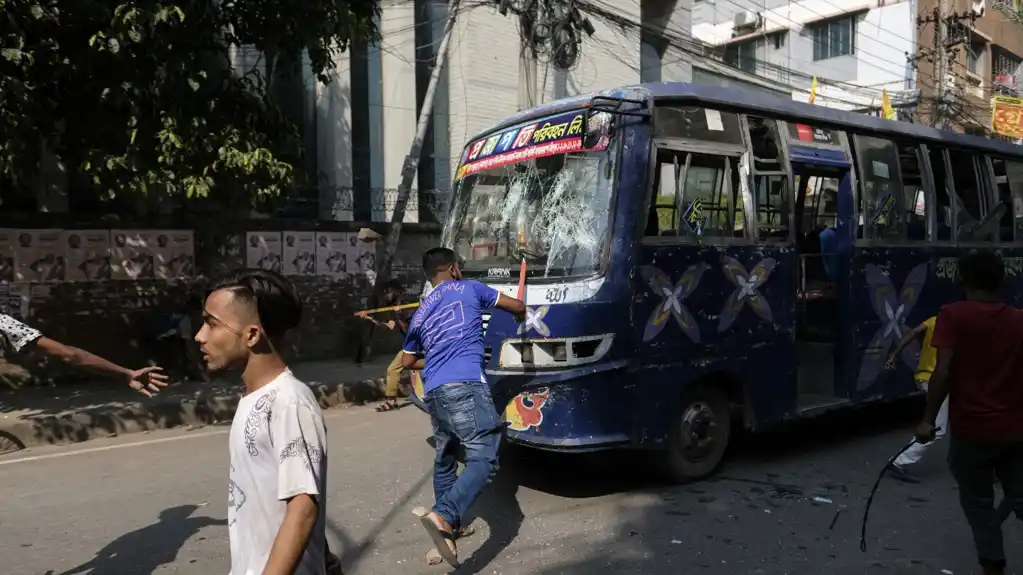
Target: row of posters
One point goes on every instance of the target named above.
(334, 254)
(94, 255)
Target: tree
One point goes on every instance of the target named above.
(140, 97)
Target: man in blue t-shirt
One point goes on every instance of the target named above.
(448, 329)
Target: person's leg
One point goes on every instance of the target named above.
(973, 466)
(445, 464)
(394, 370)
(476, 423)
(1009, 471)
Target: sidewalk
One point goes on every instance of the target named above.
(67, 414)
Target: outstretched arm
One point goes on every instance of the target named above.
(147, 380)
(913, 334)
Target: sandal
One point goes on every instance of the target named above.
(389, 404)
(444, 543)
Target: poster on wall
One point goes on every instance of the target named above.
(14, 300)
(299, 253)
(263, 250)
(174, 253)
(8, 270)
(39, 256)
(332, 254)
(131, 254)
(87, 255)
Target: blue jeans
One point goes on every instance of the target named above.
(462, 414)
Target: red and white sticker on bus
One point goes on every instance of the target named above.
(812, 134)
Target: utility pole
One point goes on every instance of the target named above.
(949, 35)
(408, 169)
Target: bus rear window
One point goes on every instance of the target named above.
(693, 123)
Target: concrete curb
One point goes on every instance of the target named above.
(110, 420)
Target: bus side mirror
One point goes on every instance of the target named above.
(596, 125)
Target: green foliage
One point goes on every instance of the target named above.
(140, 97)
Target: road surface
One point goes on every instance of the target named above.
(156, 503)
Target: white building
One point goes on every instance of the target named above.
(855, 48)
(365, 119)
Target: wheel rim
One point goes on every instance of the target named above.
(699, 437)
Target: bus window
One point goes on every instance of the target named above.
(881, 193)
(964, 189)
(664, 213)
(939, 174)
(764, 142)
(694, 123)
(695, 195)
(771, 194)
(1009, 183)
(914, 199)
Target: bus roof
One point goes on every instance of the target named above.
(756, 101)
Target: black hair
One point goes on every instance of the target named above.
(436, 259)
(393, 285)
(273, 295)
(982, 270)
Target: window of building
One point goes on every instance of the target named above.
(1004, 67)
(778, 40)
(975, 57)
(696, 195)
(833, 38)
(742, 55)
(881, 193)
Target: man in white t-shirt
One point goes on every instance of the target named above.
(278, 443)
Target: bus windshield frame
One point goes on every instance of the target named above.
(532, 190)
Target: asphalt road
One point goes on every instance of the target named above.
(156, 503)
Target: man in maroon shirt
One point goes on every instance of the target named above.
(980, 369)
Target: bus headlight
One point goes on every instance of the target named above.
(555, 352)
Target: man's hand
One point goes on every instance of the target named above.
(147, 380)
(925, 432)
(889, 363)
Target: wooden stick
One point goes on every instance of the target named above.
(390, 308)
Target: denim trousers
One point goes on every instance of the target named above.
(462, 414)
(975, 464)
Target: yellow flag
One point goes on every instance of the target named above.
(813, 90)
(886, 106)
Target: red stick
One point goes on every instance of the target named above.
(522, 280)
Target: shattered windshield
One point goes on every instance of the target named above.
(553, 208)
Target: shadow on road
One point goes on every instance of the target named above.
(144, 550)
(789, 500)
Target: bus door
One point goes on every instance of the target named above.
(824, 182)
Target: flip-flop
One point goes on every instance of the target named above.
(433, 556)
(388, 405)
(443, 542)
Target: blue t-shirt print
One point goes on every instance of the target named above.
(448, 327)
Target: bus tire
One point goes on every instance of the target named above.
(699, 435)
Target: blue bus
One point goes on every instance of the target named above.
(702, 257)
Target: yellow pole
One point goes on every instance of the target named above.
(390, 308)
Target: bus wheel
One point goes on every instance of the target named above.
(699, 435)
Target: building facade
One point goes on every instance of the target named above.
(366, 118)
(855, 48)
(985, 59)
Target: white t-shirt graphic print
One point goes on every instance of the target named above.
(278, 450)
